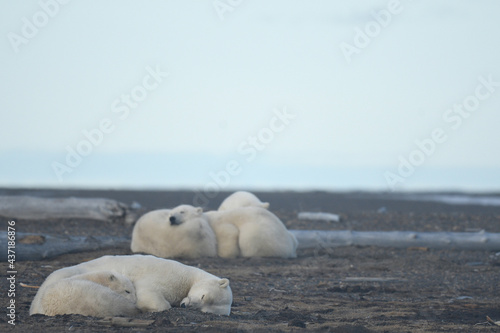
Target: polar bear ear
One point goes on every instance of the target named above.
(223, 283)
(111, 277)
(199, 210)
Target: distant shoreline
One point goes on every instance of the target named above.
(348, 201)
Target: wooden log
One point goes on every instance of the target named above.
(329, 217)
(372, 279)
(400, 239)
(30, 246)
(34, 208)
(39, 246)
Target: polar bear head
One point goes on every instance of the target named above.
(183, 213)
(120, 284)
(214, 296)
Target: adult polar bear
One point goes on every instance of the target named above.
(189, 235)
(251, 232)
(157, 233)
(98, 294)
(246, 231)
(160, 283)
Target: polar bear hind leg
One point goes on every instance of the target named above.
(262, 242)
(227, 241)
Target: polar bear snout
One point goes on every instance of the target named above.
(174, 221)
(184, 213)
(186, 303)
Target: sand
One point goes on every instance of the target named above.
(348, 289)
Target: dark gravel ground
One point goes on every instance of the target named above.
(349, 289)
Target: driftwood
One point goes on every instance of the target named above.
(372, 279)
(37, 247)
(399, 239)
(34, 208)
(318, 216)
(491, 321)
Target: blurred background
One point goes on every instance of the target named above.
(221, 95)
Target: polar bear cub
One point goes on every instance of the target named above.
(160, 283)
(98, 294)
(242, 199)
(174, 233)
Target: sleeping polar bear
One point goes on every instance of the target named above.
(242, 199)
(160, 233)
(245, 231)
(251, 232)
(98, 294)
(159, 283)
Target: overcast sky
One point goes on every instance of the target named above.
(292, 85)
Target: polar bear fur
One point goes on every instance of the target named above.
(160, 283)
(248, 232)
(251, 232)
(242, 199)
(177, 233)
(98, 294)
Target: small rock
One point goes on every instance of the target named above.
(297, 323)
(463, 297)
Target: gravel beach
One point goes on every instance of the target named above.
(345, 289)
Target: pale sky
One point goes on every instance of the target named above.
(65, 68)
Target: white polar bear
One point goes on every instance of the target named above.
(251, 232)
(242, 199)
(174, 234)
(160, 283)
(98, 294)
(247, 232)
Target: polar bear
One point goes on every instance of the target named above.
(160, 283)
(173, 234)
(98, 294)
(241, 199)
(251, 232)
(246, 231)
